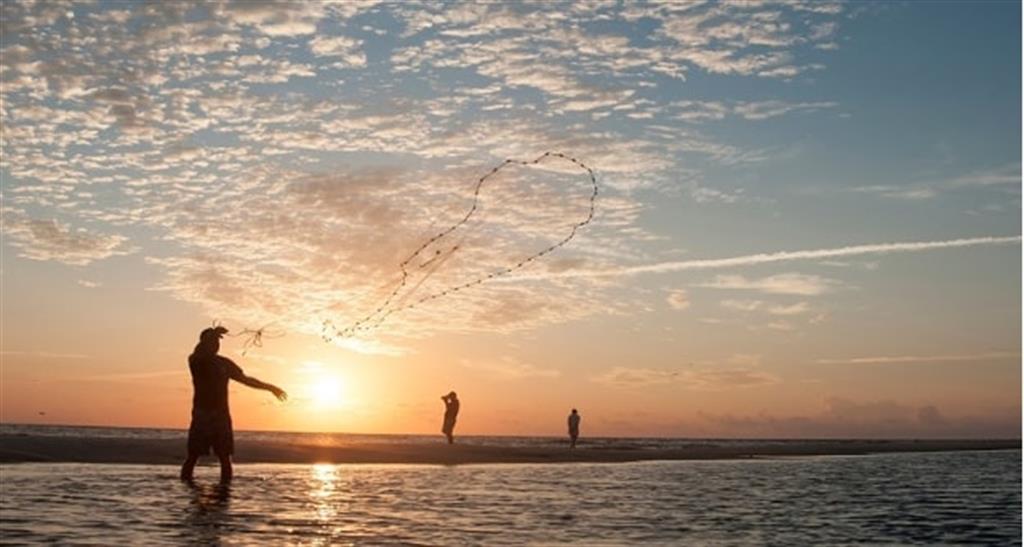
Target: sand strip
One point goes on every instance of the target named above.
(30, 448)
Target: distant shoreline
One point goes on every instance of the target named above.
(21, 448)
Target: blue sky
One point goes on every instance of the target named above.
(272, 163)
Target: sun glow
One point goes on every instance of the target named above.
(326, 392)
(324, 389)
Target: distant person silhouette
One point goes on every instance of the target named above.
(574, 428)
(211, 418)
(451, 411)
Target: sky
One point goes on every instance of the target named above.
(808, 217)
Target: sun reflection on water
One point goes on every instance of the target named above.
(322, 486)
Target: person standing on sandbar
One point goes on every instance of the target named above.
(574, 428)
(211, 417)
(451, 411)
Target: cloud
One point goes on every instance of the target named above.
(737, 371)
(315, 247)
(792, 309)
(1006, 177)
(1003, 175)
(786, 283)
(741, 305)
(50, 239)
(782, 326)
(769, 109)
(502, 42)
(277, 19)
(720, 379)
(846, 418)
(700, 111)
(678, 299)
(635, 377)
(349, 49)
(510, 368)
(911, 193)
(884, 359)
(778, 311)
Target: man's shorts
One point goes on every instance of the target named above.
(210, 429)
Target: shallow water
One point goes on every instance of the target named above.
(953, 497)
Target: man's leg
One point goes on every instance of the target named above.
(188, 467)
(226, 472)
(224, 446)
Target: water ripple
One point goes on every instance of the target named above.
(948, 498)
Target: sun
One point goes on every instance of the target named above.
(326, 391)
(322, 386)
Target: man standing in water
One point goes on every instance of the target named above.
(211, 418)
(574, 428)
(451, 411)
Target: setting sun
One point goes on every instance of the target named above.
(325, 391)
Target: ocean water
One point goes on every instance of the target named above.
(915, 498)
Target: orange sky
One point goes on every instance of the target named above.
(799, 232)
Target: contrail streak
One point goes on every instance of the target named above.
(780, 256)
(920, 358)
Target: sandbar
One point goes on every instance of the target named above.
(40, 448)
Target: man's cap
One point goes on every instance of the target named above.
(212, 333)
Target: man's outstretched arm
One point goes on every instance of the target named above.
(253, 382)
(240, 377)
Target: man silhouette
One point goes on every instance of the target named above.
(211, 417)
(451, 411)
(574, 428)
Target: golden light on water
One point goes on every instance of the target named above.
(322, 486)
